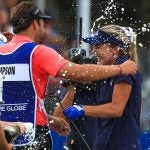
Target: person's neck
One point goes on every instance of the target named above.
(28, 34)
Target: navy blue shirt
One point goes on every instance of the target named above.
(119, 133)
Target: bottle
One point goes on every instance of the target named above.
(12, 132)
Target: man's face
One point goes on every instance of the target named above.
(40, 32)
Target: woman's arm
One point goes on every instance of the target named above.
(115, 108)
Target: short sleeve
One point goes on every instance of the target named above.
(123, 78)
(48, 60)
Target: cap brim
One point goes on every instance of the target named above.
(45, 17)
(102, 38)
(93, 40)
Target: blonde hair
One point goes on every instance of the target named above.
(127, 36)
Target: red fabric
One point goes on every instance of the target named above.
(45, 62)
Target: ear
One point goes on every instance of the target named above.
(35, 24)
(116, 50)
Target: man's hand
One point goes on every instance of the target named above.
(128, 67)
(74, 112)
(14, 124)
(20, 125)
(3, 142)
(59, 125)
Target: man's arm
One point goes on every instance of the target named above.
(91, 72)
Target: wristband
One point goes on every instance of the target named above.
(121, 70)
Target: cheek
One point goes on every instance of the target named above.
(42, 29)
(40, 35)
(94, 51)
(104, 55)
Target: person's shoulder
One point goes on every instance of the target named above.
(44, 49)
(5, 48)
(1, 43)
(121, 60)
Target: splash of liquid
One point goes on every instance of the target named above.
(30, 135)
(111, 10)
(107, 12)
